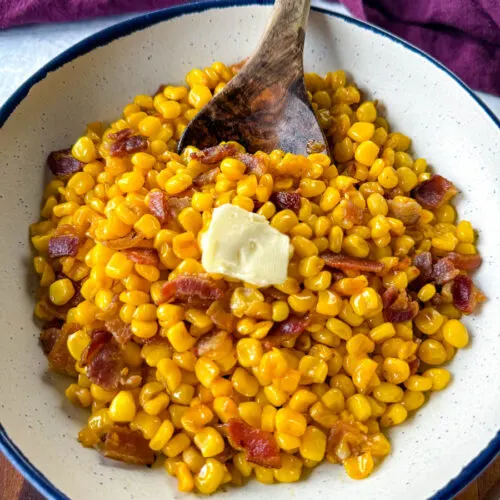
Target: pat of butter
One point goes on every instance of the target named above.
(245, 246)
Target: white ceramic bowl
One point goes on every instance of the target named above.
(435, 453)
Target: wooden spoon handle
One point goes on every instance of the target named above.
(282, 45)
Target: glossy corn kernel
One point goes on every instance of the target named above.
(209, 442)
(210, 476)
(123, 408)
(455, 333)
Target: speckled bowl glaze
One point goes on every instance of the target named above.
(436, 452)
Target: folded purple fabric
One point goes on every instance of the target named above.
(463, 34)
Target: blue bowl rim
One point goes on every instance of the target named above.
(124, 28)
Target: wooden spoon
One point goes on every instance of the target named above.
(265, 106)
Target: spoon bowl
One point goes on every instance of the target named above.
(265, 106)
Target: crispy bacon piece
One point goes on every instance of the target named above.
(444, 270)
(132, 239)
(126, 445)
(423, 262)
(465, 262)
(146, 256)
(345, 263)
(167, 292)
(255, 165)
(343, 439)
(435, 192)
(260, 446)
(48, 339)
(219, 314)
(227, 454)
(313, 147)
(414, 366)
(215, 154)
(62, 163)
(289, 329)
(176, 204)
(188, 288)
(353, 213)
(125, 145)
(207, 177)
(236, 67)
(398, 306)
(120, 330)
(54, 344)
(121, 135)
(215, 345)
(158, 205)
(287, 200)
(103, 359)
(63, 246)
(466, 296)
(406, 209)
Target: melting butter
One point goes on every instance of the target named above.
(245, 246)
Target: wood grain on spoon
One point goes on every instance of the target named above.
(265, 106)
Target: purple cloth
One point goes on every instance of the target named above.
(463, 34)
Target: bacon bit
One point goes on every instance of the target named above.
(63, 246)
(54, 344)
(406, 209)
(255, 164)
(398, 306)
(466, 296)
(48, 339)
(236, 68)
(176, 204)
(132, 240)
(158, 205)
(350, 170)
(121, 135)
(353, 213)
(435, 192)
(465, 262)
(103, 360)
(215, 345)
(346, 263)
(214, 154)
(271, 294)
(187, 288)
(146, 256)
(313, 147)
(260, 446)
(227, 454)
(414, 366)
(126, 445)
(130, 381)
(389, 296)
(128, 145)
(220, 317)
(444, 270)
(120, 330)
(167, 292)
(423, 262)
(208, 177)
(98, 338)
(62, 163)
(343, 438)
(287, 330)
(287, 200)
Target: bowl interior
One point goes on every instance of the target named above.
(448, 128)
